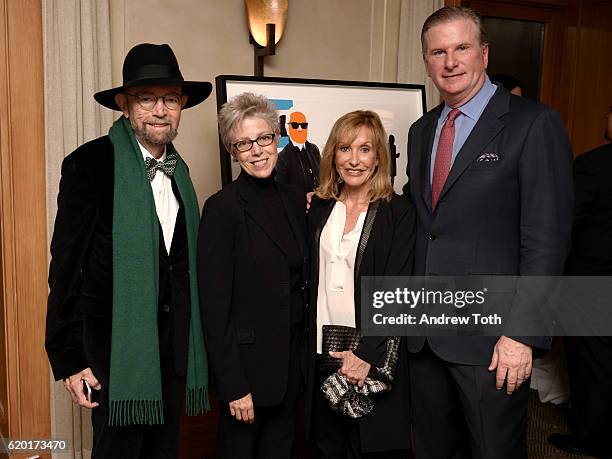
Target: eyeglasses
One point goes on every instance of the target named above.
(149, 101)
(245, 145)
(297, 125)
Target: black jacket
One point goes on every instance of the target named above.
(79, 313)
(299, 169)
(245, 295)
(389, 252)
(592, 236)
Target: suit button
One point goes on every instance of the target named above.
(432, 237)
(169, 267)
(166, 308)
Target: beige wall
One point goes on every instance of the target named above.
(330, 39)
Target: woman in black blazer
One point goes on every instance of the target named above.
(356, 193)
(251, 261)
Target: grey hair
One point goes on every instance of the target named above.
(240, 107)
(454, 13)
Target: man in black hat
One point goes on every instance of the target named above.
(123, 322)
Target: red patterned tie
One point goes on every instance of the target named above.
(443, 156)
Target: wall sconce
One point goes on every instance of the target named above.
(267, 20)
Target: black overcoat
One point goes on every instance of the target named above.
(389, 252)
(79, 312)
(244, 282)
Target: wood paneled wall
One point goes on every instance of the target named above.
(590, 62)
(24, 370)
(577, 65)
(554, 16)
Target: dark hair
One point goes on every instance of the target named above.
(507, 81)
(453, 13)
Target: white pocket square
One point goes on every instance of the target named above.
(487, 157)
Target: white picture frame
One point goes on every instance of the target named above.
(323, 102)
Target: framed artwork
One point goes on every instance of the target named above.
(317, 104)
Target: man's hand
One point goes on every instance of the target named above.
(242, 409)
(513, 361)
(74, 386)
(353, 368)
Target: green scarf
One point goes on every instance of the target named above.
(135, 393)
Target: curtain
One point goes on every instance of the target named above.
(410, 68)
(77, 50)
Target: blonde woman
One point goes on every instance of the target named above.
(356, 193)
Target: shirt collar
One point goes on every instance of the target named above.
(476, 105)
(300, 146)
(146, 154)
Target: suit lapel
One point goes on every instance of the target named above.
(487, 127)
(424, 145)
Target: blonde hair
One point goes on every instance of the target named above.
(345, 131)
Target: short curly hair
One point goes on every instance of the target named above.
(240, 107)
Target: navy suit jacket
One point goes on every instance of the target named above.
(512, 216)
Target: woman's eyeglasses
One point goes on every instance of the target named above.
(245, 145)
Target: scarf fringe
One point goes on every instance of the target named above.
(129, 412)
(197, 401)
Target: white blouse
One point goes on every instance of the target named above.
(337, 252)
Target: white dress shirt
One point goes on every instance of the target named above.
(337, 252)
(166, 204)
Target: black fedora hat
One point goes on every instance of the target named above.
(148, 64)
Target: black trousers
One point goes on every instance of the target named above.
(458, 413)
(273, 432)
(144, 442)
(337, 436)
(589, 366)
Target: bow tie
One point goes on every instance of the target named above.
(167, 166)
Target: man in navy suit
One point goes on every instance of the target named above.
(490, 177)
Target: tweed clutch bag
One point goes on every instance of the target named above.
(349, 400)
(338, 338)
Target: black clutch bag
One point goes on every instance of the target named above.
(337, 338)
